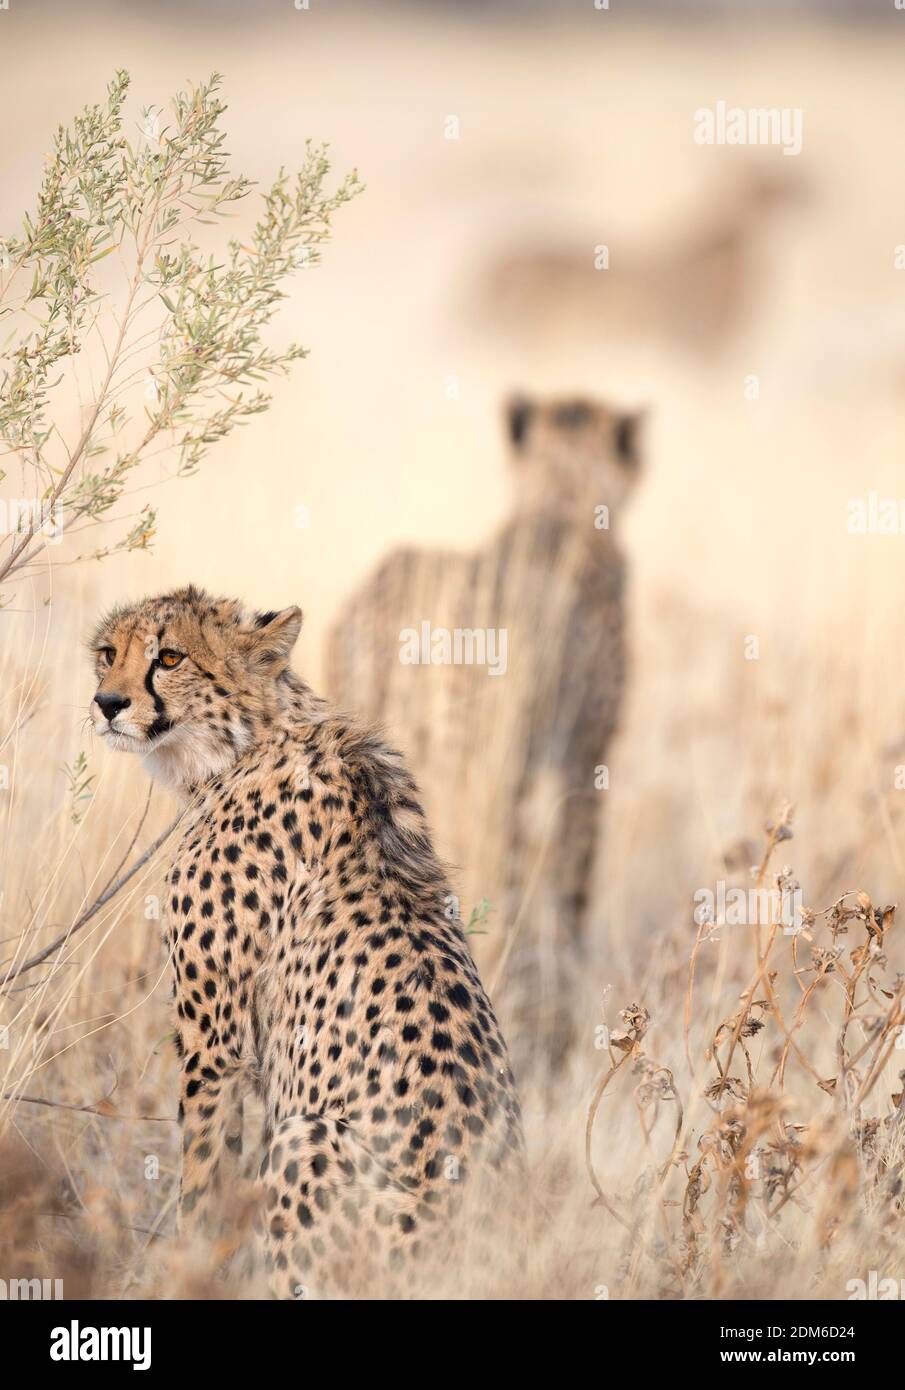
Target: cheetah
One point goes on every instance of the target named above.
(513, 767)
(315, 963)
(694, 291)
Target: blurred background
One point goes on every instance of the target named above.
(752, 306)
(727, 266)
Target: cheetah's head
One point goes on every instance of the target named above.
(188, 681)
(570, 454)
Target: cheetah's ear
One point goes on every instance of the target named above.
(269, 638)
(519, 411)
(625, 433)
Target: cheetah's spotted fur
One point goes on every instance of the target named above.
(312, 955)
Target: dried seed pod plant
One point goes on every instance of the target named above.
(789, 1143)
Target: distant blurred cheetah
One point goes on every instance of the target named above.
(508, 763)
(314, 955)
(693, 289)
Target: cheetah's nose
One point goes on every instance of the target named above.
(110, 705)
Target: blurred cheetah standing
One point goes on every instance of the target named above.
(508, 763)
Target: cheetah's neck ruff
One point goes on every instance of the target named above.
(191, 755)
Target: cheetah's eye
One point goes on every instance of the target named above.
(169, 658)
(107, 655)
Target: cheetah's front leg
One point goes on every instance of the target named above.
(211, 1114)
(338, 1225)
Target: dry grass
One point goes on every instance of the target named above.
(743, 1127)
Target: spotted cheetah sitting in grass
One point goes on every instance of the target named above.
(314, 959)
